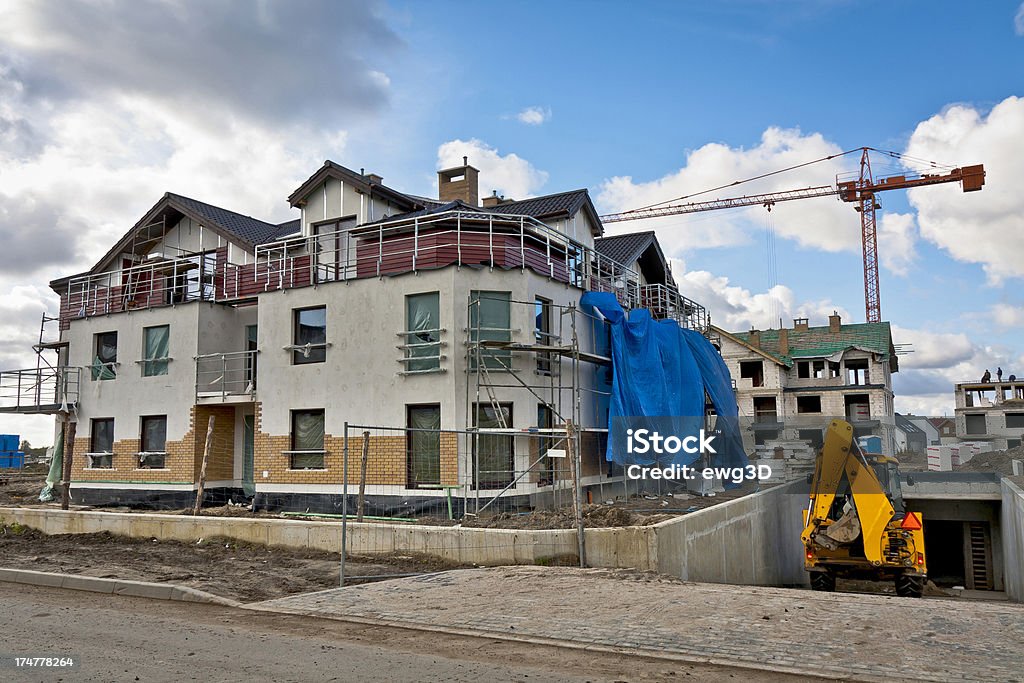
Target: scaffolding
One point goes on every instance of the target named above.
(556, 376)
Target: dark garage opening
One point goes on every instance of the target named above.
(944, 543)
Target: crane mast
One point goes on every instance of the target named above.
(860, 192)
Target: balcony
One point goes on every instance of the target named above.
(666, 303)
(226, 377)
(467, 238)
(39, 391)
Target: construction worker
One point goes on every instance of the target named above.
(987, 377)
(999, 374)
(1011, 378)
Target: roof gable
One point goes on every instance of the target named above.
(821, 342)
(362, 183)
(642, 247)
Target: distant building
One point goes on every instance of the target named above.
(789, 382)
(991, 412)
(909, 436)
(931, 433)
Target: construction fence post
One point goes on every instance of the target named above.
(202, 470)
(577, 497)
(70, 426)
(344, 505)
(362, 477)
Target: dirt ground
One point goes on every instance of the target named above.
(22, 487)
(993, 461)
(220, 566)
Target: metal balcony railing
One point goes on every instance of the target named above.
(39, 390)
(438, 240)
(667, 303)
(422, 351)
(224, 375)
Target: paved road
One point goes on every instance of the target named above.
(870, 637)
(131, 639)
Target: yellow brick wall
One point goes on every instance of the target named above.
(385, 462)
(184, 457)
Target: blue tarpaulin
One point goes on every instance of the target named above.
(662, 371)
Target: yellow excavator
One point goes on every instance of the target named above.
(855, 525)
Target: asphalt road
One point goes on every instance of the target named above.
(114, 638)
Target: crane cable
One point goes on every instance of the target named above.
(890, 153)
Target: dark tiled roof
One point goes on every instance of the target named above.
(548, 205)
(820, 342)
(331, 169)
(624, 248)
(246, 228)
(288, 228)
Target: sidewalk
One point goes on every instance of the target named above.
(837, 635)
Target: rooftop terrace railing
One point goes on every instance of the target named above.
(667, 303)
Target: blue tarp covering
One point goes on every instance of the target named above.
(660, 370)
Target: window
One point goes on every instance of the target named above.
(423, 341)
(803, 370)
(104, 365)
(857, 371)
(490, 320)
(834, 370)
(1012, 443)
(1015, 420)
(156, 343)
(546, 468)
(307, 440)
(808, 404)
(754, 371)
(153, 455)
(423, 448)
(818, 367)
(976, 423)
(251, 347)
(101, 444)
(310, 333)
(765, 409)
(331, 248)
(494, 462)
(542, 333)
(858, 407)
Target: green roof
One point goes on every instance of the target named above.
(820, 342)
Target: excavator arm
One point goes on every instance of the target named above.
(872, 508)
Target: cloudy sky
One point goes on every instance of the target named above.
(106, 105)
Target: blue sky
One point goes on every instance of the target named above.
(236, 103)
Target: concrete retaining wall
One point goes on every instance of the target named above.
(1012, 522)
(754, 540)
(629, 547)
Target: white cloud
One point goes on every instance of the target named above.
(822, 223)
(534, 116)
(897, 234)
(1007, 315)
(1018, 20)
(985, 227)
(736, 309)
(510, 175)
(933, 350)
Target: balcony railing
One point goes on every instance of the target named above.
(220, 376)
(422, 351)
(443, 239)
(667, 303)
(39, 390)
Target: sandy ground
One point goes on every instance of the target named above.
(224, 567)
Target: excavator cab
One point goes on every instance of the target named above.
(856, 524)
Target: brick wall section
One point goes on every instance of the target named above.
(222, 450)
(184, 456)
(385, 464)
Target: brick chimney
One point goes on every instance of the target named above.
(755, 338)
(784, 341)
(494, 200)
(800, 324)
(834, 322)
(374, 178)
(461, 182)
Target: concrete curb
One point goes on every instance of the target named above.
(135, 589)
